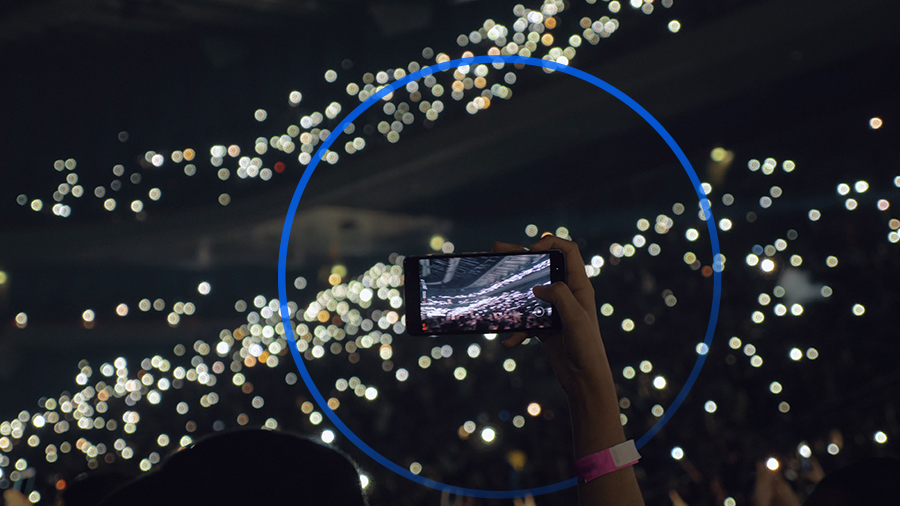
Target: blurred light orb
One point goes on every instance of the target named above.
(488, 435)
(677, 453)
(203, 288)
(772, 464)
(875, 123)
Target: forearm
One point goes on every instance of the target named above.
(596, 426)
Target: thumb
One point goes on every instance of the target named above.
(561, 296)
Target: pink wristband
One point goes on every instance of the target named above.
(607, 461)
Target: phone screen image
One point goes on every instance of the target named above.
(480, 293)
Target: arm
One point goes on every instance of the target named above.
(579, 361)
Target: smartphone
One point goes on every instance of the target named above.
(476, 293)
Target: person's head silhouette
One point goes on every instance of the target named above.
(249, 467)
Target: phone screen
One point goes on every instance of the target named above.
(480, 293)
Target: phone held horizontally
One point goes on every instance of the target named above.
(474, 293)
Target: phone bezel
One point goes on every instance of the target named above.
(411, 290)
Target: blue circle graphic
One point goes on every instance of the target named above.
(389, 88)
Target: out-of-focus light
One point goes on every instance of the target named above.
(752, 260)
(812, 354)
(796, 354)
(534, 409)
(677, 453)
(725, 224)
(767, 265)
(646, 366)
(488, 434)
(628, 372)
(436, 242)
(775, 387)
(710, 407)
(843, 189)
(364, 481)
(531, 230)
(875, 123)
(729, 501)
(772, 464)
(203, 288)
(371, 393)
(833, 449)
(659, 382)
(814, 215)
(327, 436)
(880, 437)
(804, 451)
(859, 309)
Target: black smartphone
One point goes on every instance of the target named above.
(475, 293)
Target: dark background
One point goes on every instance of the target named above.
(792, 80)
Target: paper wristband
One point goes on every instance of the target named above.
(607, 461)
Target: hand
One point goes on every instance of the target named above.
(457, 501)
(576, 353)
(524, 501)
(12, 497)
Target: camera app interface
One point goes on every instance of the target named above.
(483, 294)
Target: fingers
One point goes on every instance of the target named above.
(570, 309)
(515, 339)
(576, 276)
(503, 247)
